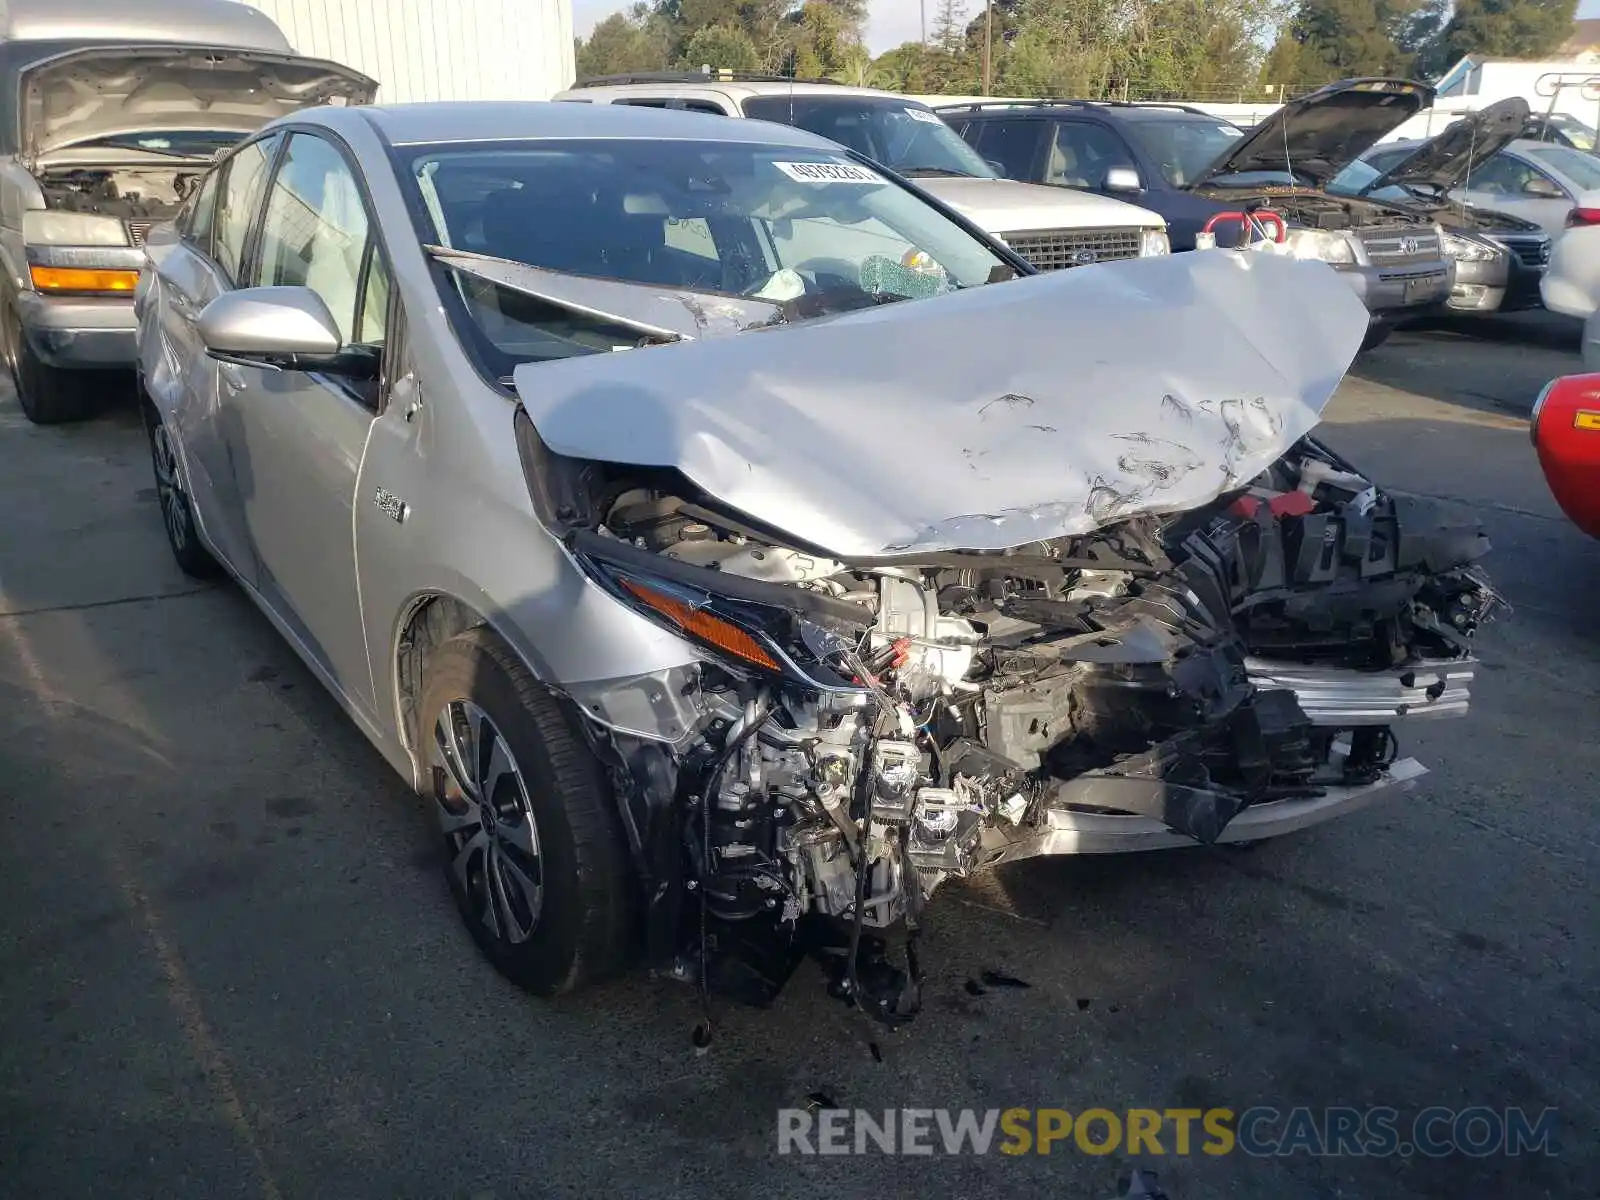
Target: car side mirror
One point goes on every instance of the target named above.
(1542, 188)
(1123, 179)
(281, 329)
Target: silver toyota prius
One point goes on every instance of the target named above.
(732, 544)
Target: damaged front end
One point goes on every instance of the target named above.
(859, 730)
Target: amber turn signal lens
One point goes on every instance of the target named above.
(704, 627)
(81, 279)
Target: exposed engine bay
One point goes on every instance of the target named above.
(127, 193)
(1318, 210)
(904, 722)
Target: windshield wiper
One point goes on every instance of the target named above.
(911, 172)
(114, 144)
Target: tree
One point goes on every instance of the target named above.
(820, 38)
(1200, 49)
(638, 40)
(1507, 28)
(949, 28)
(720, 47)
(1337, 39)
(907, 68)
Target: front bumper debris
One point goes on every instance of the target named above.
(1075, 822)
(1338, 697)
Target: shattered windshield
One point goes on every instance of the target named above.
(813, 231)
(905, 137)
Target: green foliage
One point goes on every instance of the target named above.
(1134, 49)
(720, 47)
(640, 39)
(1507, 28)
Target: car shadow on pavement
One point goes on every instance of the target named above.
(1472, 366)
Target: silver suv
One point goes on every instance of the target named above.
(110, 132)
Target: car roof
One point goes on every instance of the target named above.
(741, 88)
(517, 120)
(1079, 108)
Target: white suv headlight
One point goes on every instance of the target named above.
(1153, 242)
(1324, 245)
(44, 227)
(1469, 249)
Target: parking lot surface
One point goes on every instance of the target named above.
(230, 967)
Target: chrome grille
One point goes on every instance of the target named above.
(1388, 247)
(1532, 250)
(137, 230)
(1051, 249)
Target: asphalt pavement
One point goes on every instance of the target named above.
(230, 967)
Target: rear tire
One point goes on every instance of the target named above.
(534, 851)
(48, 395)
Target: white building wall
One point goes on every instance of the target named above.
(438, 49)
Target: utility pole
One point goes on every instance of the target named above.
(988, 47)
(924, 9)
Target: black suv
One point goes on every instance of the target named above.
(1159, 148)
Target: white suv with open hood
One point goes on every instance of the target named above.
(1048, 227)
(116, 122)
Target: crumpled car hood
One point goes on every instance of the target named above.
(982, 419)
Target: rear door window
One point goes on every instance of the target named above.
(1011, 144)
(1082, 153)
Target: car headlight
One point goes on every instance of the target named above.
(1469, 249)
(746, 635)
(1323, 245)
(41, 227)
(1153, 242)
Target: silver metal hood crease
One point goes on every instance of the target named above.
(982, 419)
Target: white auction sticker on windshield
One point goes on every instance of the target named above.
(828, 172)
(924, 115)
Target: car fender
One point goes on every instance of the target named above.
(1566, 434)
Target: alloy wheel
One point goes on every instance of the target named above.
(490, 834)
(174, 504)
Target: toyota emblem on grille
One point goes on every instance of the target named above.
(1083, 258)
(1409, 245)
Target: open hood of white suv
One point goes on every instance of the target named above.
(110, 91)
(1002, 206)
(982, 419)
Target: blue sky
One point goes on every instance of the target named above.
(889, 22)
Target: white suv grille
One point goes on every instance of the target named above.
(1052, 249)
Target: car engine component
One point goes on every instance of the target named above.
(906, 722)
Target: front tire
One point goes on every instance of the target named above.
(1377, 335)
(533, 848)
(177, 513)
(48, 395)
